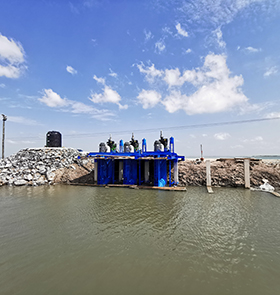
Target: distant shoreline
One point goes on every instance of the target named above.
(267, 156)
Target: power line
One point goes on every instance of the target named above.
(149, 130)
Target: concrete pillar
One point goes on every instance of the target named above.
(95, 171)
(247, 173)
(176, 176)
(146, 171)
(208, 173)
(120, 170)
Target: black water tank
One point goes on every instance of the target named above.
(53, 139)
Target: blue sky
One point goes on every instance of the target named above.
(89, 68)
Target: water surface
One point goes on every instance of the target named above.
(89, 240)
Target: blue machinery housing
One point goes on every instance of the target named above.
(139, 167)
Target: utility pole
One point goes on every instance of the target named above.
(201, 153)
(3, 135)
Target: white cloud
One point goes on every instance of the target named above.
(81, 108)
(174, 101)
(108, 95)
(253, 140)
(273, 115)
(159, 46)
(52, 99)
(148, 98)
(2, 85)
(258, 138)
(10, 71)
(148, 35)
(11, 58)
(248, 108)
(123, 107)
(99, 80)
(216, 90)
(113, 74)
(221, 136)
(188, 51)
(271, 71)
(219, 37)
(94, 42)
(207, 13)
(181, 31)
(150, 72)
(22, 120)
(173, 77)
(252, 49)
(167, 30)
(11, 50)
(71, 70)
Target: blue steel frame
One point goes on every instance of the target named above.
(162, 161)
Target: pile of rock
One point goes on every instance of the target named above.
(36, 166)
(228, 173)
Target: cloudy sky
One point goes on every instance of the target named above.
(88, 68)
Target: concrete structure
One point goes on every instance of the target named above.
(247, 173)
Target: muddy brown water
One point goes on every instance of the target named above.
(90, 240)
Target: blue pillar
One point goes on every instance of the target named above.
(160, 173)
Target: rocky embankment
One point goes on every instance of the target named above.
(229, 173)
(44, 166)
(61, 165)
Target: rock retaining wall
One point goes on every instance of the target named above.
(36, 166)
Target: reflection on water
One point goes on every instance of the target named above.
(86, 240)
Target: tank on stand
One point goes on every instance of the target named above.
(53, 139)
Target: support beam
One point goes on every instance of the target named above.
(247, 173)
(95, 170)
(120, 170)
(208, 177)
(146, 171)
(208, 173)
(176, 176)
(169, 172)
